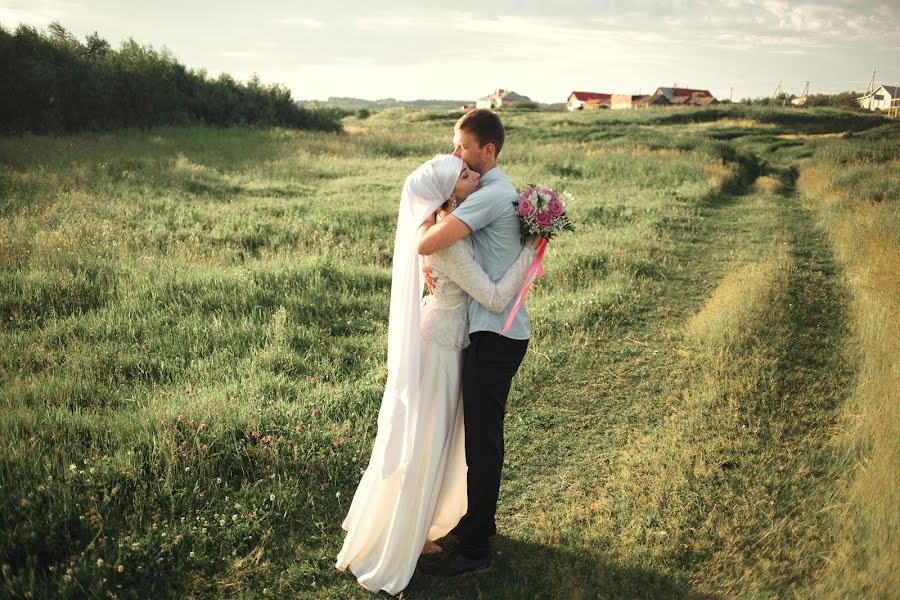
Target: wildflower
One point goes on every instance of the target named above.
(191, 554)
(234, 518)
(218, 480)
(180, 418)
(337, 495)
(73, 468)
(120, 568)
(202, 426)
(135, 546)
(222, 523)
(272, 497)
(24, 503)
(100, 562)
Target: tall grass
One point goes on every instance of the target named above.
(853, 188)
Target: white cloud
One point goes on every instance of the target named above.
(37, 14)
(396, 22)
(301, 22)
(241, 54)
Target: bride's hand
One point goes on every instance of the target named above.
(534, 241)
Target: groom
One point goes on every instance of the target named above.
(492, 358)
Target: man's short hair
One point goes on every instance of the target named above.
(485, 125)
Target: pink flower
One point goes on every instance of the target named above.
(525, 208)
(543, 219)
(555, 207)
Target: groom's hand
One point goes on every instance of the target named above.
(430, 281)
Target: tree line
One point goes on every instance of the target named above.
(51, 82)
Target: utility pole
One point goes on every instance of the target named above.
(865, 100)
(778, 92)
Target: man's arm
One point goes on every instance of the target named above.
(436, 237)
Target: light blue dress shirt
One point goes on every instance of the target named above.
(490, 214)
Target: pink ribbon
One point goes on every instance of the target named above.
(535, 272)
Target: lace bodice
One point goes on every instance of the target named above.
(444, 313)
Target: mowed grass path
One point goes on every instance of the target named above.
(193, 356)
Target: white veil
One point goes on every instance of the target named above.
(424, 191)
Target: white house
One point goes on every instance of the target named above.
(881, 98)
(500, 98)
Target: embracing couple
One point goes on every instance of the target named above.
(438, 454)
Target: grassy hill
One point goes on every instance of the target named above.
(193, 353)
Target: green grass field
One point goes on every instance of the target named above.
(193, 354)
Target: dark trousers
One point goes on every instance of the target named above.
(489, 364)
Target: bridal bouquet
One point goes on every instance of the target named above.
(543, 215)
(543, 212)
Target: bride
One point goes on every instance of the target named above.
(414, 489)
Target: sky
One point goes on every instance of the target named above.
(464, 50)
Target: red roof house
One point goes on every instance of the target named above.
(588, 100)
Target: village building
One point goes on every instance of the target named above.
(587, 101)
(626, 101)
(501, 98)
(880, 99)
(684, 96)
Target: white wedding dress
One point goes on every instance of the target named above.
(390, 518)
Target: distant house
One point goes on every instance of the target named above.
(501, 98)
(626, 101)
(676, 92)
(587, 100)
(881, 98)
(686, 96)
